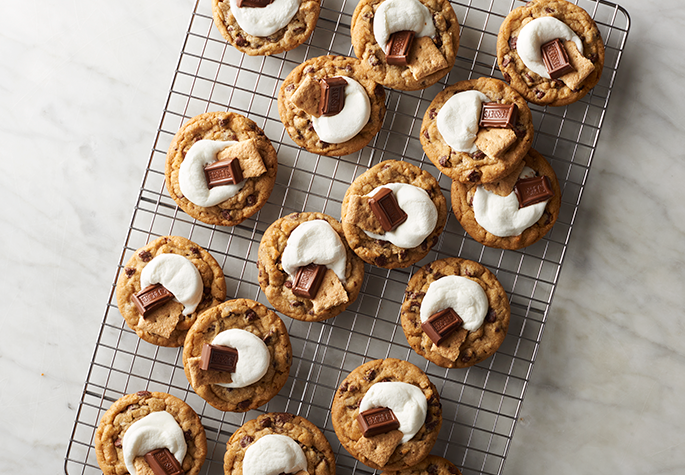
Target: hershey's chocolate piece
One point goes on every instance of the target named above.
(555, 57)
(332, 95)
(163, 462)
(493, 114)
(378, 420)
(218, 358)
(398, 47)
(254, 3)
(387, 211)
(441, 325)
(150, 298)
(530, 191)
(224, 172)
(308, 280)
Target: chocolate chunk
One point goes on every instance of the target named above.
(398, 47)
(308, 280)
(387, 211)
(224, 172)
(163, 462)
(493, 114)
(530, 191)
(150, 298)
(332, 95)
(441, 325)
(218, 358)
(555, 57)
(378, 420)
(254, 3)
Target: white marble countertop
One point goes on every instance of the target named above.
(83, 86)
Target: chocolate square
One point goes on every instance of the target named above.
(555, 57)
(332, 95)
(378, 420)
(441, 325)
(530, 191)
(253, 3)
(386, 209)
(163, 462)
(308, 280)
(218, 358)
(150, 298)
(224, 172)
(398, 47)
(493, 114)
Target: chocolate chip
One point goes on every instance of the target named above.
(132, 407)
(474, 176)
(268, 336)
(403, 255)
(352, 407)
(251, 316)
(432, 469)
(343, 387)
(119, 443)
(309, 70)
(284, 417)
(549, 10)
(226, 214)
(145, 256)
(298, 30)
(242, 405)
(437, 41)
(491, 316)
(556, 84)
(251, 200)
(506, 61)
(466, 357)
(224, 122)
(478, 155)
(288, 284)
(245, 441)
(424, 245)
(240, 41)
(265, 422)
(143, 394)
(379, 91)
(426, 134)
(506, 77)
(453, 470)
(520, 131)
(370, 375)
(432, 113)
(188, 435)
(380, 261)
(367, 15)
(373, 61)
(296, 303)
(444, 161)
(290, 87)
(539, 94)
(130, 271)
(434, 401)
(512, 42)
(594, 57)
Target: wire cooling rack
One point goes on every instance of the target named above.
(480, 404)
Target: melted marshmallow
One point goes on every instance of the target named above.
(347, 123)
(157, 430)
(501, 215)
(538, 32)
(178, 275)
(273, 454)
(265, 21)
(458, 120)
(422, 216)
(314, 242)
(400, 15)
(191, 175)
(253, 356)
(406, 400)
(464, 295)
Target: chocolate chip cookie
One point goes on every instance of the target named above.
(358, 218)
(252, 317)
(533, 86)
(237, 137)
(496, 151)
(167, 325)
(463, 206)
(428, 59)
(383, 452)
(112, 452)
(461, 348)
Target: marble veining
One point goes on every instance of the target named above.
(83, 84)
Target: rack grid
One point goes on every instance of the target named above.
(480, 404)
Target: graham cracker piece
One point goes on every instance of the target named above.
(495, 141)
(163, 320)
(451, 346)
(247, 153)
(330, 294)
(200, 377)
(379, 448)
(583, 66)
(308, 96)
(505, 186)
(359, 213)
(425, 58)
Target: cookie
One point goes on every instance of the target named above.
(492, 215)
(145, 421)
(386, 383)
(431, 465)
(214, 138)
(200, 284)
(478, 300)
(278, 442)
(466, 151)
(341, 133)
(259, 337)
(432, 49)
(292, 243)
(420, 198)
(263, 27)
(527, 28)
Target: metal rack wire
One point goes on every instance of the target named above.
(480, 404)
